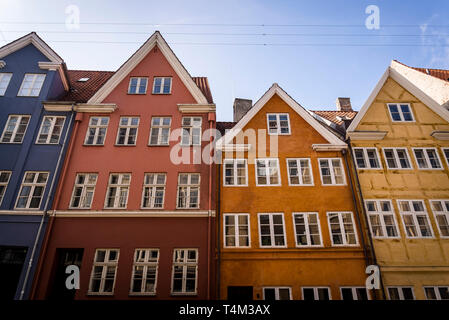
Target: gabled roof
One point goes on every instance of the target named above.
(203, 84)
(82, 91)
(335, 116)
(276, 89)
(433, 92)
(137, 57)
(437, 73)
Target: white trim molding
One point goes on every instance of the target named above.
(2, 64)
(440, 135)
(96, 108)
(156, 39)
(196, 108)
(57, 106)
(55, 66)
(367, 135)
(233, 147)
(328, 147)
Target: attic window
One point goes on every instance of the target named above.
(83, 79)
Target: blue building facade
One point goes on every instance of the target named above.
(32, 146)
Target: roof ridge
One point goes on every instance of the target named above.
(90, 70)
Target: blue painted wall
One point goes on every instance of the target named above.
(21, 229)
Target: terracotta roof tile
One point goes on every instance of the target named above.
(332, 115)
(203, 84)
(222, 126)
(83, 91)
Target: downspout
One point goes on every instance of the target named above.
(36, 241)
(211, 119)
(370, 238)
(78, 119)
(218, 229)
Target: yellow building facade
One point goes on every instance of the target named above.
(400, 146)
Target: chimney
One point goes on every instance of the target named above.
(241, 107)
(344, 104)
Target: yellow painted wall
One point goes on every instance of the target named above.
(403, 261)
(293, 267)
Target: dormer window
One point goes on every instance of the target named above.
(31, 85)
(162, 85)
(4, 82)
(137, 85)
(400, 112)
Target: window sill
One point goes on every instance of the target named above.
(136, 94)
(179, 208)
(140, 294)
(10, 142)
(183, 294)
(145, 208)
(99, 294)
(93, 145)
(124, 145)
(158, 145)
(160, 94)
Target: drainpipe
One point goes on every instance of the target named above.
(218, 215)
(78, 119)
(36, 241)
(211, 119)
(365, 216)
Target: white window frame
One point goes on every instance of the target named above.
(128, 126)
(315, 292)
(190, 128)
(16, 127)
(146, 265)
(139, 79)
(119, 185)
(300, 176)
(84, 189)
(400, 291)
(396, 158)
(267, 172)
(35, 76)
(52, 128)
(354, 292)
(4, 184)
(278, 124)
(276, 292)
(331, 169)
(366, 158)
(436, 291)
(426, 158)
(306, 223)
(272, 237)
(153, 185)
(162, 85)
(33, 186)
(97, 129)
(400, 112)
(189, 185)
(2, 76)
(234, 168)
(342, 229)
(105, 266)
(184, 264)
(381, 218)
(436, 213)
(236, 230)
(413, 214)
(160, 127)
(446, 157)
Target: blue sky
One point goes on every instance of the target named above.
(310, 68)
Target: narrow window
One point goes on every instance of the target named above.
(162, 85)
(104, 270)
(96, 133)
(366, 158)
(4, 82)
(446, 155)
(4, 180)
(51, 129)
(278, 124)
(153, 190)
(381, 218)
(117, 194)
(137, 85)
(277, 293)
(235, 172)
(437, 293)
(331, 171)
(191, 131)
(267, 172)
(316, 293)
(299, 172)
(83, 190)
(160, 131)
(32, 190)
(354, 293)
(236, 227)
(185, 269)
(440, 209)
(271, 230)
(397, 158)
(307, 229)
(144, 276)
(31, 85)
(15, 129)
(427, 158)
(415, 218)
(400, 112)
(127, 131)
(401, 293)
(188, 191)
(342, 228)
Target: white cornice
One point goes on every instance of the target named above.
(55, 66)
(96, 108)
(234, 147)
(2, 64)
(440, 135)
(133, 214)
(57, 107)
(196, 108)
(366, 135)
(328, 147)
(22, 212)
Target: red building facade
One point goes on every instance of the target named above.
(136, 219)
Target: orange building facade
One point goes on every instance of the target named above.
(287, 224)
